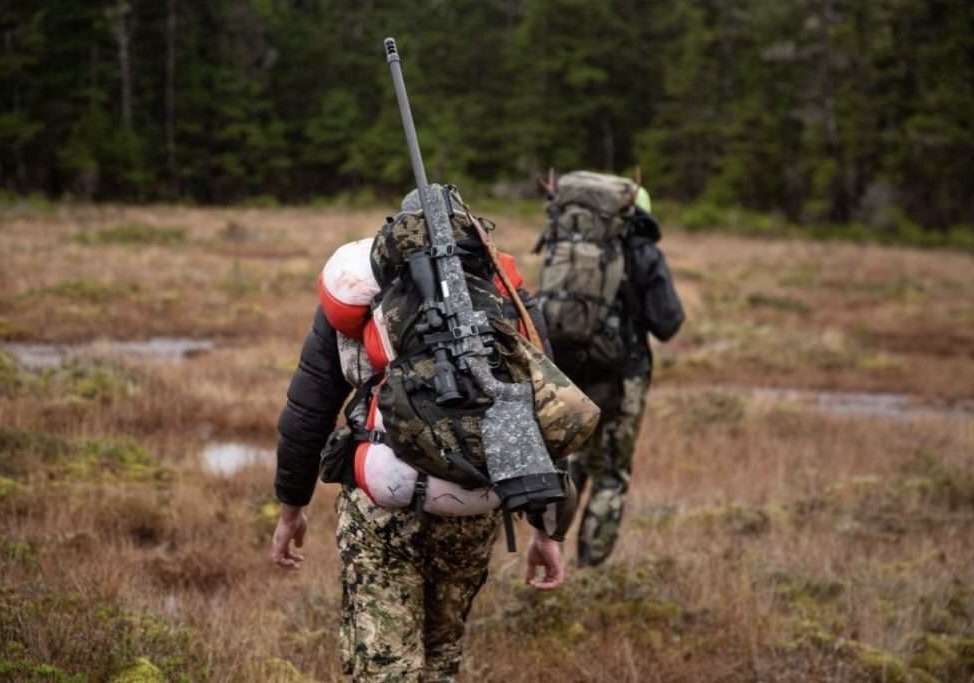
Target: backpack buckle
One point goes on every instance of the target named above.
(441, 250)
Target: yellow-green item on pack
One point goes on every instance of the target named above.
(643, 201)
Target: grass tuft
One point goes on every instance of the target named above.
(133, 234)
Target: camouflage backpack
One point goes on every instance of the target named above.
(584, 263)
(446, 441)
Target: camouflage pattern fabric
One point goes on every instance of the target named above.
(407, 590)
(566, 415)
(606, 460)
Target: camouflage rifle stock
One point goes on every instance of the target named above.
(518, 464)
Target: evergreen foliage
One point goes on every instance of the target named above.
(825, 111)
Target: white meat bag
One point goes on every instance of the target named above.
(390, 483)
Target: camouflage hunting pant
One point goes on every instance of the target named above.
(406, 590)
(606, 461)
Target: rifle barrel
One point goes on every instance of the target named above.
(412, 142)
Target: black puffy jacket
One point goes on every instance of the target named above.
(317, 392)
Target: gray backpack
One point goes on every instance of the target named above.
(584, 262)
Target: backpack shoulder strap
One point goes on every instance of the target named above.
(522, 310)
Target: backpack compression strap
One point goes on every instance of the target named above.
(522, 311)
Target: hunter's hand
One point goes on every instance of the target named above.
(544, 552)
(290, 527)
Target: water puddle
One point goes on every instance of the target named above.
(227, 458)
(862, 404)
(40, 356)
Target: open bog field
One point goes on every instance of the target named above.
(802, 506)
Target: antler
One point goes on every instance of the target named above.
(547, 186)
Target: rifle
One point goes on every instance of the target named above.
(520, 470)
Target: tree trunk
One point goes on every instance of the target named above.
(124, 61)
(171, 86)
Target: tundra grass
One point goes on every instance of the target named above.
(764, 538)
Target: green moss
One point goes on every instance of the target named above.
(140, 671)
(22, 451)
(87, 291)
(948, 612)
(945, 657)
(778, 303)
(18, 552)
(121, 458)
(265, 517)
(278, 670)
(808, 594)
(939, 482)
(135, 234)
(802, 277)
(732, 519)
(877, 665)
(24, 670)
(10, 380)
(711, 409)
(100, 384)
(92, 638)
(615, 595)
(34, 202)
(11, 331)
(9, 487)
(882, 666)
(240, 282)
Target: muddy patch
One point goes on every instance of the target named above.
(228, 458)
(881, 405)
(865, 404)
(40, 356)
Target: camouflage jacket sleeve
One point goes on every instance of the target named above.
(317, 392)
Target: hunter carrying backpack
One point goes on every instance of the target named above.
(584, 263)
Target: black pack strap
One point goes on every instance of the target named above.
(509, 531)
(420, 520)
(370, 435)
(361, 394)
(419, 493)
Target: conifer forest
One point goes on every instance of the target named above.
(820, 110)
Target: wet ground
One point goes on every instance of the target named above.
(227, 457)
(36, 356)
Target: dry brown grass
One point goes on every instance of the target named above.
(764, 540)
